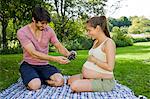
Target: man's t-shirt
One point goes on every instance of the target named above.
(25, 36)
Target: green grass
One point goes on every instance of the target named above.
(132, 67)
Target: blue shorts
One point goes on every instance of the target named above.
(43, 72)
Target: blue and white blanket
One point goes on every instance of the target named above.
(19, 91)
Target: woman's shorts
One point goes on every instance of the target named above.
(102, 84)
(43, 72)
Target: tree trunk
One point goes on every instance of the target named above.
(4, 39)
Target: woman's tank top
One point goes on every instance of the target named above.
(99, 54)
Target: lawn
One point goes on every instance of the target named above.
(132, 67)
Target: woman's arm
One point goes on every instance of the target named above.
(109, 50)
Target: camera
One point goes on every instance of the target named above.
(72, 56)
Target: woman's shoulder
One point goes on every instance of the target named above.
(110, 42)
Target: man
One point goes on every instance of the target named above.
(35, 38)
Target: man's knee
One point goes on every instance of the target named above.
(58, 78)
(34, 84)
(60, 82)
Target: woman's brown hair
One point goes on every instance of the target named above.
(102, 22)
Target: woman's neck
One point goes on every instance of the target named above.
(101, 38)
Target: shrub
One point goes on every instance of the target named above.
(121, 37)
(13, 47)
(141, 40)
(11, 51)
(79, 43)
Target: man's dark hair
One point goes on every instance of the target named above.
(40, 14)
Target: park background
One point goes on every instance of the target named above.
(130, 33)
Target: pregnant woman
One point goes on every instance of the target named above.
(97, 71)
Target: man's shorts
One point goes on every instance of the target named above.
(43, 72)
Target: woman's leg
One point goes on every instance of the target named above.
(74, 77)
(95, 85)
(84, 85)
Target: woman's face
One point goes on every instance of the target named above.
(91, 31)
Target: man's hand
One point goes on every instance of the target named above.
(62, 60)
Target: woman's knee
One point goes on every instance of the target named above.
(75, 86)
(34, 84)
(74, 78)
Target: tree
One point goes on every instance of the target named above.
(124, 21)
(121, 22)
(67, 11)
(139, 25)
(17, 10)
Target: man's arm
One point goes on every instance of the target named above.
(36, 54)
(61, 49)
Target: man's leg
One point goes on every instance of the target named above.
(34, 84)
(30, 77)
(56, 80)
(52, 76)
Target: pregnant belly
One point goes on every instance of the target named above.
(88, 73)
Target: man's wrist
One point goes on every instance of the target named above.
(53, 58)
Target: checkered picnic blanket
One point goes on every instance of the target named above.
(19, 91)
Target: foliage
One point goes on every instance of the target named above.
(131, 61)
(13, 48)
(66, 12)
(139, 25)
(121, 22)
(74, 37)
(17, 11)
(141, 40)
(11, 51)
(79, 43)
(121, 37)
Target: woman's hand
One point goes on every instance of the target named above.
(92, 59)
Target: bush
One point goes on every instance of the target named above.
(126, 41)
(121, 37)
(11, 51)
(80, 43)
(72, 45)
(13, 47)
(141, 40)
(85, 42)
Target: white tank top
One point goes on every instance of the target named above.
(99, 54)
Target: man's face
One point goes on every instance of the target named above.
(41, 25)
